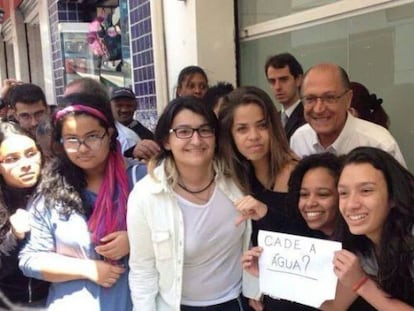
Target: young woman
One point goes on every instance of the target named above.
(185, 247)
(376, 201)
(192, 81)
(78, 240)
(313, 192)
(20, 164)
(256, 149)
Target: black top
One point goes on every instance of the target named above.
(141, 130)
(295, 121)
(13, 284)
(279, 217)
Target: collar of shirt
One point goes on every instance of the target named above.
(338, 145)
(290, 110)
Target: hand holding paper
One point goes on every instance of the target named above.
(297, 268)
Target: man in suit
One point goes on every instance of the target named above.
(284, 74)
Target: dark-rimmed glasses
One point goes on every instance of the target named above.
(92, 141)
(185, 132)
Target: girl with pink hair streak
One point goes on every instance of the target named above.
(78, 240)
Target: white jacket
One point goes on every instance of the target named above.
(156, 237)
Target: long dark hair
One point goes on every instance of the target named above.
(11, 198)
(279, 153)
(395, 253)
(63, 182)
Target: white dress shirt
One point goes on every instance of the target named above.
(356, 133)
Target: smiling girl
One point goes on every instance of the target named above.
(376, 201)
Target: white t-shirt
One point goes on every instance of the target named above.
(212, 272)
(127, 137)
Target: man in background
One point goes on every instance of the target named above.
(284, 75)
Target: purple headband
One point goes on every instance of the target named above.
(79, 107)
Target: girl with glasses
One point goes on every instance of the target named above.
(185, 246)
(79, 241)
(20, 164)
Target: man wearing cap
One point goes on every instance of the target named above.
(123, 105)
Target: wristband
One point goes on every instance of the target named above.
(359, 284)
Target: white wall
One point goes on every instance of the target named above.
(200, 32)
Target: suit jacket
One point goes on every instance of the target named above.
(295, 120)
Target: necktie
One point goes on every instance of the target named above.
(284, 118)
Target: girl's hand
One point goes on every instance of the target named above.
(114, 245)
(250, 260)
(20, 222)
(347, 268)
(104, 273)
(250, 208)
(257, 305)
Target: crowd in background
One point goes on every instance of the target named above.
(99, 213)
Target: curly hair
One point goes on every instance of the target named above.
(63, 182)
(395, 254)
(326, 160)
(279, 154)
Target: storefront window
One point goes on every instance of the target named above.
(376, 49)
(257, 11)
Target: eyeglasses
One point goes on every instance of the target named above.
(203, 131)
(26, 116)
(326, 99)
(31, 155)
(92, 141)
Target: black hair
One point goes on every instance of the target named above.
(11, 198)
(395, 255)
(368, 106)
(62, 181)
(189, 71)
(215, 92)
(194, 104)
(26, 93)
(282, 60)
(326, 160)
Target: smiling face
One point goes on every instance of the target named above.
(326, 119)
(250, 132)
(123, 109)
(93, 158)
(195, 151)
(363, 200)
(20, 161)
(318, 200)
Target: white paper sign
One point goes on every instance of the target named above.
(297, 268)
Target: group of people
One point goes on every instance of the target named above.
(90, 229)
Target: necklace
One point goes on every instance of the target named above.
(184, 187)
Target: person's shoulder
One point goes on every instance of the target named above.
(370, 129)
(303, 130)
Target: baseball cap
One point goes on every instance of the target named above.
(122, 92)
